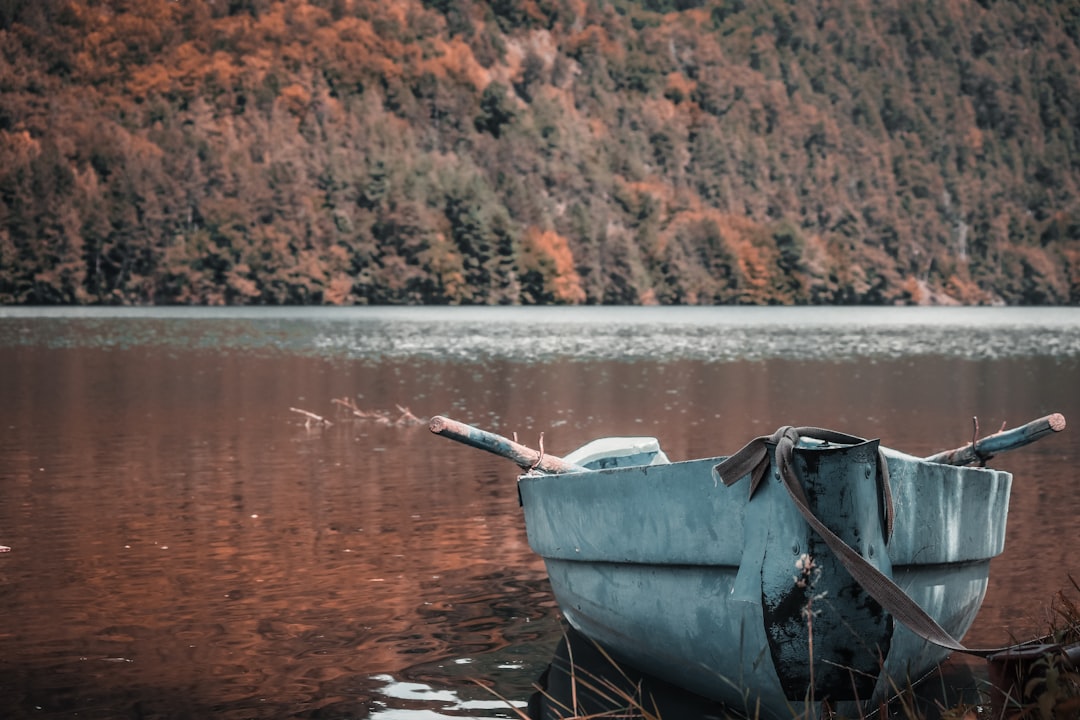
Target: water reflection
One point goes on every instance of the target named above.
(182, 546)
(422, 702)
(538, 334)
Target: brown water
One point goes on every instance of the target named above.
(183, 546)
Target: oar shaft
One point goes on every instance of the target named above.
(1001, 442)
(525, 457)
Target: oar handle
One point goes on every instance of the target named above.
(1002, 441)
(525, 457)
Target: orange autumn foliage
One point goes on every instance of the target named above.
(548, 254)
(522, 151)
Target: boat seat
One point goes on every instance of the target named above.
(613, 452)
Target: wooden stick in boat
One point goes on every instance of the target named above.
(525, 457)
(981, 450)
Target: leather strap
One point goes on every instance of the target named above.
(753, 460)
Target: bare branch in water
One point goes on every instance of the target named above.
(404, 418)
(350, 405)
(407, 418)
(312, 418)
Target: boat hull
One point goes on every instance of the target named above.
(701, 585)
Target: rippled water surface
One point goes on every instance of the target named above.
(183, 544)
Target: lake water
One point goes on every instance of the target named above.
(184, 545)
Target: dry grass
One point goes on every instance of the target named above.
(1050, 690)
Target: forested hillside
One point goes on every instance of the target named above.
(539, 151)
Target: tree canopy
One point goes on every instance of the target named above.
(539, 151)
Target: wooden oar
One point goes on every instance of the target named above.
(525, 457)
(529, 459)
(982, 450)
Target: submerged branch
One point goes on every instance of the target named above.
(404, 417)
(312, 417)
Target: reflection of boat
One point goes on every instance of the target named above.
(778, 597)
